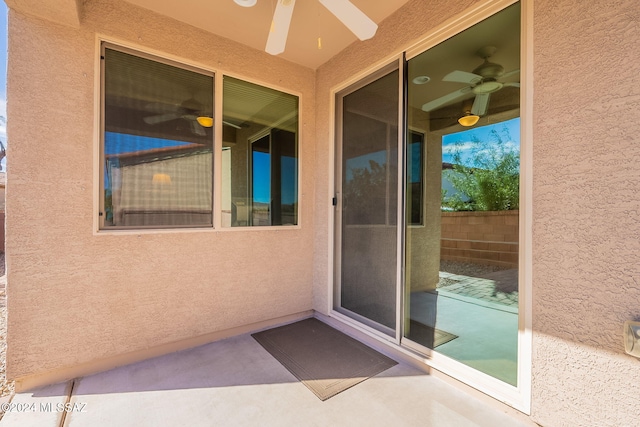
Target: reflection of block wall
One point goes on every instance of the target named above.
(489, 238)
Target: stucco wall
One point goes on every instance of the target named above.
(75, 297)
(586, 235)
(95, 296)
(586, 246)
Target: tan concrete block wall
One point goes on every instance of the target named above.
(489, 238)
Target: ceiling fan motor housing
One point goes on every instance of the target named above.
(489, 70)
(487, 86)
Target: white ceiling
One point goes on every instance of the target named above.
(250, 26)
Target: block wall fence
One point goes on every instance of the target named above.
(489, 238)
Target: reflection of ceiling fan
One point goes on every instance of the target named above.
(482, 81)
(190, 110)
(352, 17)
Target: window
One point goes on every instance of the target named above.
(260, 155)
(157, 151)
(157, 147)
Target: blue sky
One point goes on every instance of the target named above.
(509, 132)
(465, 141)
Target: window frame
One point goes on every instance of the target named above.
(518, 397)
(102, 157)
(217, 75)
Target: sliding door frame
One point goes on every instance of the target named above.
(518, 397)
(383, 68)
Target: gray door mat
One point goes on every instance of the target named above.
(324, 359)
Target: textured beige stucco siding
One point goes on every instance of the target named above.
(586, 209)
(75, 297)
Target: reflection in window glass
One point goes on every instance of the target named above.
(260, 135)
(157, 156)
(367, 211)
(461, 266)
(415, 174)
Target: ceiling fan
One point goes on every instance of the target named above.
(352, 17)
(482, 81)
(190, 110)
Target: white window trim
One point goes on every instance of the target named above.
(218, 74)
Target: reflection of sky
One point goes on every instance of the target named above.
(262, 178)
(509, 132)
(119, 143)
(363, 162)
(413, 162)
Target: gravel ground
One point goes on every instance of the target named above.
(6, 388)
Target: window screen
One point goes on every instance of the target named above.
(157, 151)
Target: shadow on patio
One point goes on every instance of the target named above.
(235, 382)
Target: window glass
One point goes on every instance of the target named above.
(415, 177)
(259, 155)
(462, 264)
(157, 152)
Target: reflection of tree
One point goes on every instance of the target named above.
(491, 181)
(365, 194)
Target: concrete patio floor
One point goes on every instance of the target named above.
(235, 382)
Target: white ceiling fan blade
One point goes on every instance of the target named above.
(462, 77)
(154, 120)
(439, 102)
(280, 27)
(514, 84)
(233, 125)
(161, 107)
(510, 73)
(480, 104)
(352, 17)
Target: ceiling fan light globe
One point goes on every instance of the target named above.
(468, 120)
(205, 121)
(420, 80)
(246, 3)
(487, 87)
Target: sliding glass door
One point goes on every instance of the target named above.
(448, 259)
(367, 199)
(461, 259)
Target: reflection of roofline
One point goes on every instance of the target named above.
(157, 154)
